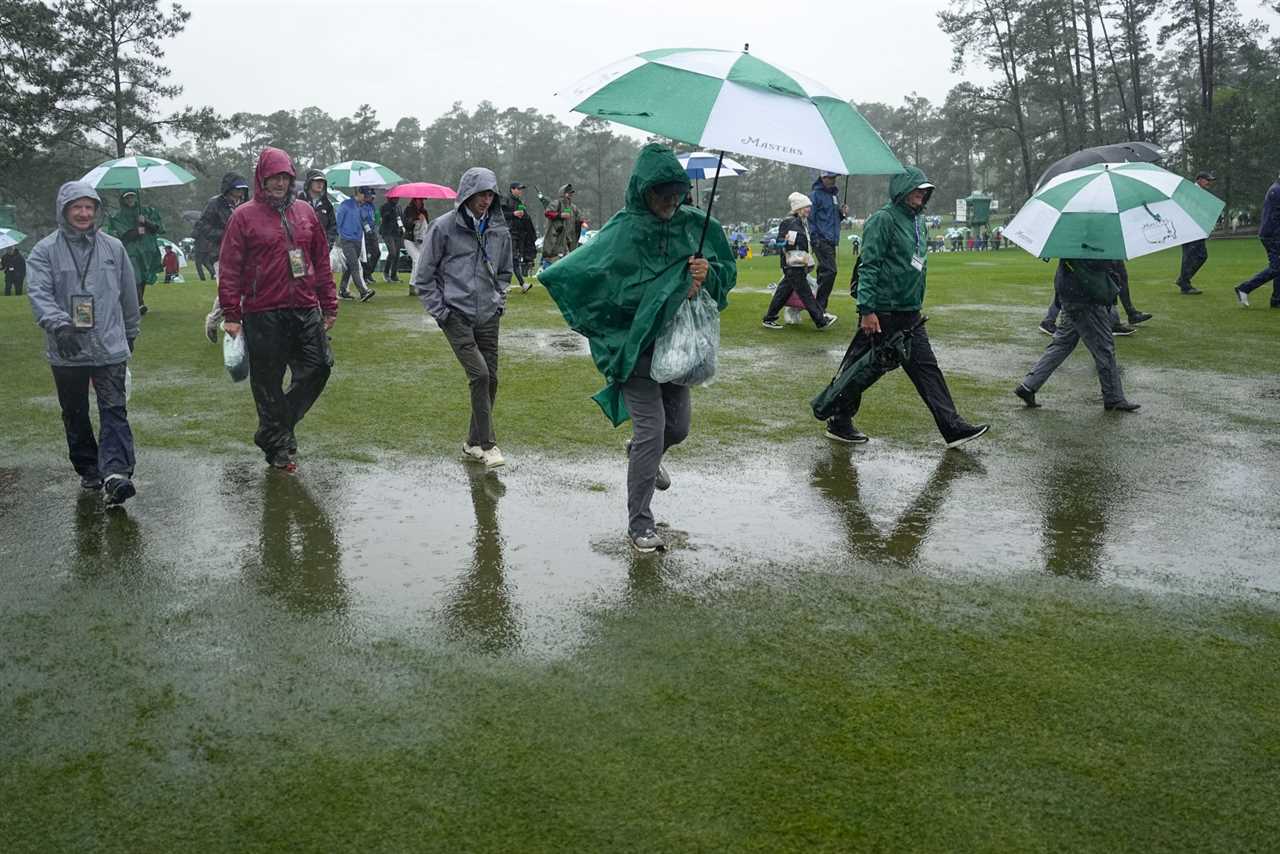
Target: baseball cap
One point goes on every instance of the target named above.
(567, 188)
(517, 185)
(367, 191)
(1206, 175)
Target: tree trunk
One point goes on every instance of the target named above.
(1124, 104)
(1007, 44)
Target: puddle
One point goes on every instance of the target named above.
(546, 342)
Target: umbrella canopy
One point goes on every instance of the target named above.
(137, 173)
(422, 190)
(701, 165)
(10, 237)
(361, 173)
(1113, 211)
(182, 256)
(732, 101)
(1118, 152)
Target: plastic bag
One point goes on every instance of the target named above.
(337, 260)
(234, 357)
(685, 352)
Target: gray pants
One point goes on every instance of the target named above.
(351, 254)
(1092, 324)
(476, 347)
(659, 418)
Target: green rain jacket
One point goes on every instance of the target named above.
(892, 237)
(143, 249)
(623, 287)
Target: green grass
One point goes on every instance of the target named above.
(816, 707)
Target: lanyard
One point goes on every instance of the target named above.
(284, 221)
(88, 265)
(915, 221)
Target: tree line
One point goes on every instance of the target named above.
(82, 81)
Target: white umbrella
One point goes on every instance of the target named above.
(137, 173)
(10, 237)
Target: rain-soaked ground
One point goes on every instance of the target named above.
(1180, 497)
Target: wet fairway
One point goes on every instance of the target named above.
(1064, 637)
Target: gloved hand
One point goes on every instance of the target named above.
(68, 341)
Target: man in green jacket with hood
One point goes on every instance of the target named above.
(620, 291)
(890, 295)
(137, 226)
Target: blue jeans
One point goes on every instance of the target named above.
(112, 451)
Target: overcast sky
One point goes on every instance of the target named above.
(417, 58)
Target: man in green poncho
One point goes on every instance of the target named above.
(620, 291)
(137, 225)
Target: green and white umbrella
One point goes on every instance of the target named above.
(731, 101)
(137, 173)
(361, 173)
(10, 237)
(1113, 211)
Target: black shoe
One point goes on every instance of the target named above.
(1048, 328)
(1122, 406)
(345, 295)
(368, 295)
(1139, 317)
(119, 489)
(771, 324)
(283, 461)
(91, 482)
(846, 433)
(967, 435)
(1028, 396)
(1120, 330)
(142, 309)
(1190, 291)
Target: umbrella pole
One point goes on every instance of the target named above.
(711, 201)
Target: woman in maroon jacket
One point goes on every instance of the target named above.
(274, 278)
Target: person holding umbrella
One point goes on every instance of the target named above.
(138, 226)
(1195, 253)
(827, 216)
(891, 288)
(84, 296)
(1086, 290)
(620, 291)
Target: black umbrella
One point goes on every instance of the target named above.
(1117, 152)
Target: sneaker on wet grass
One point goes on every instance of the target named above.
(1241, 297)
(1050, 329)
(118, 489)
(647, 541)
(1139, 317)
(472, 452)
(1027, 395)
(90, 482)
(846, 433)
(368, 295)
(828, 320)
(770, 324)
(967, 435)
(492, 457)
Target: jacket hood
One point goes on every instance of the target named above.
(477, 179)
(314, 175)
(231, 180)
(272, 161)
(67, 194)
(904, 182)
(656, 165)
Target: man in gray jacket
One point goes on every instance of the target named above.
(463, 275)
(83, 296)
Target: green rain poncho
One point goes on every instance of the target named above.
(622, 288)
(143, 249)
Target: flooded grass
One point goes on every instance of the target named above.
(1065, 637)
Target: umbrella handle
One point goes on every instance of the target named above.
(706, 222)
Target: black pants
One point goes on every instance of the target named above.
(922, 369)
(91, 457)
(373, 253)
(275, 340)
(1122, 282)
(204, 264)
(14, 285)
(391, 267)
(826, 254)
(793, 280)
(1194, 254)
(1271, 274)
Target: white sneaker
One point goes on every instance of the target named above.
(472, 452)
(493, 458)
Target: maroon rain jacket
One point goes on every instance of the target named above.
(253, 268)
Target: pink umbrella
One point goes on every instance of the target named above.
(421, 190)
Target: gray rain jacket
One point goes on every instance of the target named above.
(461, 269)
(52, 279)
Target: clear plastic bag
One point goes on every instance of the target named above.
(337, 260)
(234, 357)
(685, 352)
